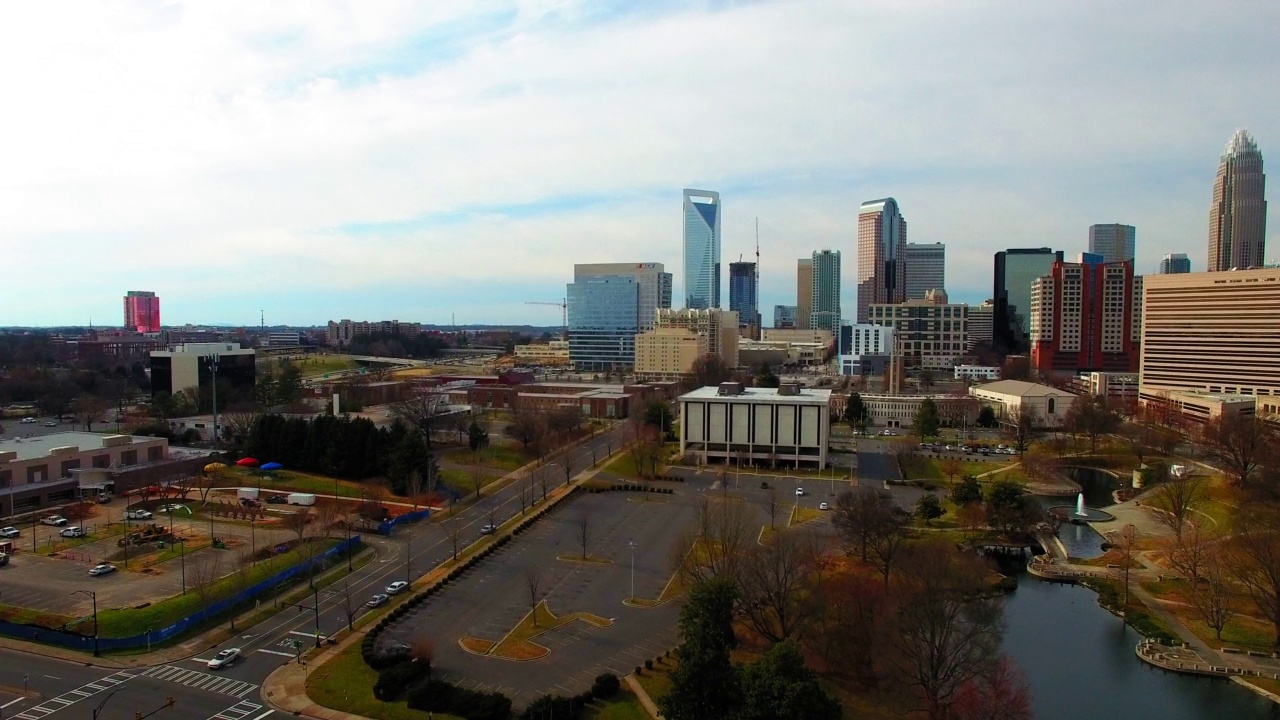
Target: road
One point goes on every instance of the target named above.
(201, 693)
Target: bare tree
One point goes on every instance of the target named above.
(543, 481)
(1214, 599)
(1140, 439)
(528, 427)
(952, 468)
(772, 505)
(1239, 443)
(1127, 544)
(89, 409)
(205, 482)
(777, 582)
(422, 411)
(1189, 554)
(1023, 427)
(888, 540)
(237, 422)
(583, 525)
(203, 577)
(533, 581)
(717, 546)
(860, 516)
(297, 522)
(455, 534)
(348, 606)
(525, 496)
(1256, 563)
(477, 480)
(1176, 499)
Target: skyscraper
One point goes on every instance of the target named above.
(142, 311)
(744, 294)
(1015, 270)
(1086, 316)
(701, 249)
(1238, 215)
(882, 240)
(609, 303)
(784, 316)
(825, 314)
(926, 269)
(1114, 242)
(1174, 263)
(804, 291)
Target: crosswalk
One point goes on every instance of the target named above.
(241, 711)
(200, 680)
(53, 705)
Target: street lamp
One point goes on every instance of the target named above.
(213, 367)
(632, 545)
(94, 597)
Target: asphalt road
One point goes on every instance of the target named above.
(270, 643)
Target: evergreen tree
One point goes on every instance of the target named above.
(778, 686)
(968, 491)
(766, 378)
(926, 422)
(987, 417)
(929, 508)
(477, 437)
(705, 685)
(856, 413)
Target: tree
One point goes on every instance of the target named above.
(856, 413)
(423, 411)
(776, 583)
(1256, 563)
(527, 427)
(658, 414)
(477, 437)
(766, 378)
(926, 422)
(1000, 694)
(1140, 439)
(948, 633)
(772, 505)
(709, 369)
(987, 417)
(718, 544)
(861, 516)
(705, 685)
(925, 379)
(1214, 599)
(1239, 443)
(1023, 427)
(296, 523)
(1190, 552)
(1009, 509)
(583, 527)
(1091, 416)
(888, 540)
(929, 508)
(533, 581)
(88, 410)
(778, 686)
(1127, 543)
(951, 467)
(1176, 499)
(968, 491)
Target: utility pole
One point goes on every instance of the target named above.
(94, 597)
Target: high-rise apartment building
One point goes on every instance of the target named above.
(882, 241)
(744, 295)
(701, 249)
(680, 336)
(142, 311)
(804, 291)
(926, 269)
(784, 316)
(343, 332)
(1086, 316)
(609, 303)
(981, 324)
(1113, 241)
(1238, 215)
(1015, 270)
(929, 333)
(825, 313)
(1175, 263)
(1212, 333)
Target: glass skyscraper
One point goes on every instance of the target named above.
(1113, 241)
(744, 293)
(1174, 263)
(609, 303)
(701, 249)
(926, 269)
(1238, 215)
(1015, 270)
(826, 291)
(882, 241)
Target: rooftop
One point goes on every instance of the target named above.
(39, 446)
(1019, 388)
(807, 396)
(1219, 397)
(1241, 142)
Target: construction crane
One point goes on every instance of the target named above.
(564, 314)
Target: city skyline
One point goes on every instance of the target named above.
(383, 161)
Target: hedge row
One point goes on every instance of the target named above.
(572, 708)
(632, 488)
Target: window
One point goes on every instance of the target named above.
(101, 461)
(6, 478)
(129, 457)
(37, 473)
(1052, 405)
(155, 453)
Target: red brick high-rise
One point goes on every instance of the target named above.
(1086, 316)
(142, 311)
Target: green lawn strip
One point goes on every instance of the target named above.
(126, 622)
(505, 457)
(657, 682)
(625, 706)
(32, 616)
(290, 481)
(800, 515)
(315, 366)
(919, 467)
(1136, 614)
(345, 683)
(623, 466)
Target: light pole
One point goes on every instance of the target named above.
(213, 367)
(408, 554)
(94, 597)
(632, 545)
(182, 547)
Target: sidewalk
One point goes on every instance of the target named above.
(642, 696)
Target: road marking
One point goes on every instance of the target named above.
(303, 634)
(201, 681)
(202, 661)
(11, 702)
(52, 705)
(264, 715)
(275, 652)
(239, 711)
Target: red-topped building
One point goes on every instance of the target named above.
(142, 311)
(1086, 316)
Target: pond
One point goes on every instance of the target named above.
(1079, 661)
(1082, 541)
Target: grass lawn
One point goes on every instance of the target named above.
(345, 683)
(505, 457)
(519, 645)
(800, 515)
(289, 480)
(319, 365)
(930, 468)
(32, 616)
(626, 706)
(117, 622)
(1241, 631)
(657, 682)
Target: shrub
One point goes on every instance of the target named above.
(439, 696)
(393, 681)
(639, 670)
(648, 664)
(605, 686)
(391, 656)
(555, 706)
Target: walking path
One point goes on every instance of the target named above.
(643, 696)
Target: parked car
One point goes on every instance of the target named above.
(250, 502)
(51, 423)
(102, 569)
(224, 658)
(799, 491)
(10, 532)
(278, 499)
(72, 532)
(764, 485)
(55, 520)
(138, 514)
(396, 587)
(378, 600)
(168, 508)
(28, 421)
(823, 506)
(488, 529)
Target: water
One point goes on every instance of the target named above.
(1082, 541)
(1080, 663)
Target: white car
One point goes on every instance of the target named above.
(799, 491)
(138, 514)
(55, 520)
(102, 569)
(167, 508)
(28, 421)
(823, 506)
(378, 600)
(10, 532)
(72, 532)
(224, 658)
(396, 587)
(488, 529)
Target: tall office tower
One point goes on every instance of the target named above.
(142, 311)
(1175, 263)
(825, 313)
(744, 295)
(882, 241)
(980, 324)
(804, 291)
(609, 303)
(1238, 216)
(1015, 270)
(1086, 316)
(1114, 242)
(784, 316)
(701, 249)
(926, 269)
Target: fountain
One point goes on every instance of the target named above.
(1080, 506)
(1080, 514)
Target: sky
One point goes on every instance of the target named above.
(431, 161)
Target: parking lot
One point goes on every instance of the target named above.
(492, 598)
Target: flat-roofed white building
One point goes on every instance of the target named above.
(977, 372)
(1007, 397)
(788, 426)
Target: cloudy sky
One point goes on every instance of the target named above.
(416, 160)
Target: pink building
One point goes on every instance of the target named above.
(142, 311)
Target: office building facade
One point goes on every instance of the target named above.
(1015, 270)
(191, 366)
(609, 304)
(1086, 316)
(142, 311)
(981, 324)
(804, 291)
(1212, 333)
(1238, 213)
(744, 296)
(784, 316)
(1113, 241)
(930, 333)
(701, 249)
(825, 312)
(1174, 263)
(926, 269)
(788, 426)
(680, 337)
(882, 241)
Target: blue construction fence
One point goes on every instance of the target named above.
(61, 638)
(385, 527)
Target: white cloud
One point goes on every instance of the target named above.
(195, 148)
